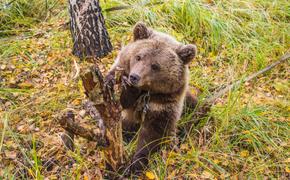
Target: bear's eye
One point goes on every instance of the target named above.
(138, 58)
(155, 67)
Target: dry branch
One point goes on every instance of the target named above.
(67, 122)
(206, 105)
(68, 137)
(68, 140)
(213, 98)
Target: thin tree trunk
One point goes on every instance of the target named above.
(87, 25)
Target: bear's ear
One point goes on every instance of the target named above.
(186, 52)
(140, 31)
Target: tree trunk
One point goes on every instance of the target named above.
(87, 25)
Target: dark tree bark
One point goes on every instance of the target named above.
(87, 25)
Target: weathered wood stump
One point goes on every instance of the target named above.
(110, 111)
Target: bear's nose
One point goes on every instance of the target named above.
(134, 78)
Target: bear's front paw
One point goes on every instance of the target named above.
(110, 81)
(137, 168)
(125, 82)
(138, 165)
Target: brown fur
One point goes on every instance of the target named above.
(160, 63)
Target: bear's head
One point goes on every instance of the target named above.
(155, 65)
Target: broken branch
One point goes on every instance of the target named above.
(66, 121)
(206, 105)
(68, 137)
(220, 93)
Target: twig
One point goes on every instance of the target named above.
(77, 70)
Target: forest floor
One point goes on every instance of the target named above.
(246, 134)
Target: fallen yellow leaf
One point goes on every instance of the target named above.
(244, 153)
(76, 102)
(150, 175)
(86, 177)
(25, 85)
(287, 169)
(216, 161)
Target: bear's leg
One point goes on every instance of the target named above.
(152, 135)
(148, 142)
(129, 96)
(190, 103)
(130, 124)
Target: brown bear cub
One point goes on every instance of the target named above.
(156, 67)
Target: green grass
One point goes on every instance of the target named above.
(245, 134)
(20, 15)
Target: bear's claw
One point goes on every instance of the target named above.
(125, 82)
(109, 81)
